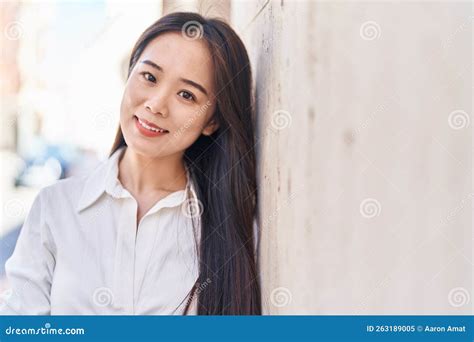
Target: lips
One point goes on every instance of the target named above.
(148, 129)
(148, 124)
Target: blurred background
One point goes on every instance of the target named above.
(364, 137)
(63, 67)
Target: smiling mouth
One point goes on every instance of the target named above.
(150, 126)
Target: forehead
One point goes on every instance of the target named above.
(181, 58)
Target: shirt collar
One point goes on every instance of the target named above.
(105, 179)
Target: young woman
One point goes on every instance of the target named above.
(166, 224)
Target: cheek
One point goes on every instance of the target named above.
(131, 98)
(187, 131)
(192, 126)
(187, 127)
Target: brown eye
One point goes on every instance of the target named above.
(187, 95)
(149, 77)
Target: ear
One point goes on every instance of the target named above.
(211, 127)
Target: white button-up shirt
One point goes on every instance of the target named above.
(79, 251)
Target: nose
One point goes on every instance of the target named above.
(157, 106)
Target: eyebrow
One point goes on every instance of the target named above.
(185, 80)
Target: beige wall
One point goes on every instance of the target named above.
(210, 8)
(365, 125)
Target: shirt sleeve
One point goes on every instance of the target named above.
(30, 269)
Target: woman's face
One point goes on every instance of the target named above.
(171, 87)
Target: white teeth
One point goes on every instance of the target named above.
(144, 125)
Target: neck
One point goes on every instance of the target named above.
(139, 173)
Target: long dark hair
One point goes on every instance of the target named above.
(222, 167)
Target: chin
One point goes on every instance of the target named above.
(143, 148)
(147, 149)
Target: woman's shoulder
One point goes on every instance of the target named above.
(67, 190)
(54, 205)
(74, 187)
(79, 191)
